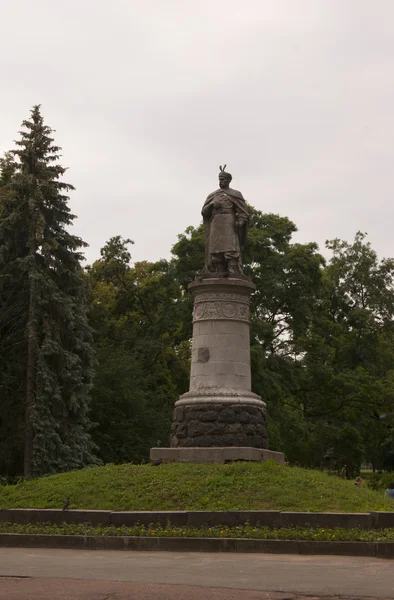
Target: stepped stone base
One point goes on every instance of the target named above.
(215, 455)
(219, 424)
(219, 419)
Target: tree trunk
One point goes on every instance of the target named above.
(30, 381)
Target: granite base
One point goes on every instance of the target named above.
(215, 455)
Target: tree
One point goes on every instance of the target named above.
(42, 313)
(12, 323)
(347, 375)
(136, 312)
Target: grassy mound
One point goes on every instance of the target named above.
(238, 486)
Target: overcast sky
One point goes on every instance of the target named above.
(148, 97)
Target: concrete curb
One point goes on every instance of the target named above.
(163, 544)
(264, 518)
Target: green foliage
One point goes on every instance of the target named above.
(46, 360)
(380, 481)
(245, 531)
(237, 486)
(347, 369)
(142, 351)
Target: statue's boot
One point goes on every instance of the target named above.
(234, 267)
(221, 269)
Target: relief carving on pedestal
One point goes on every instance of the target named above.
(221, 306)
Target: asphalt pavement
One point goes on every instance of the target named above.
(43, 574)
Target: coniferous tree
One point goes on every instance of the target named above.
(13, 292)
(46, 356)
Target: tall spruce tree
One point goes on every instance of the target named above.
(46, 356)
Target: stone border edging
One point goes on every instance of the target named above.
(163, 544)
(268, 518)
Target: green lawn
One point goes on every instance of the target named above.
(237, 486)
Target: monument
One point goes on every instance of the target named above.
(220, 419)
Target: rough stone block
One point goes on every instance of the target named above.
(235, 428)
(208, 416)
(221, 425)
(260, 430)
(190, 443)
(227, 415)
(181, 431)
(250, 429)
(196, 429)
(256, 440)
(179, 413)
(244, 417)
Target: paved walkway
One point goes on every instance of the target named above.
(208, 574)
(72, 589)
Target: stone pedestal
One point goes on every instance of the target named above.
(220, 409)
(219, 419)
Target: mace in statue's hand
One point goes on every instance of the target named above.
(239, 223)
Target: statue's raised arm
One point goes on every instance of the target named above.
(226, 224)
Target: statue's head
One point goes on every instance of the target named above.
(224, 178)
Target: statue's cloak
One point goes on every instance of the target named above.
(239, 204)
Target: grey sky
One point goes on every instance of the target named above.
(148, 97)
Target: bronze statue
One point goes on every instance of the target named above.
(226, 224)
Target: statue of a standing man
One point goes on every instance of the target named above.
(226, 223)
